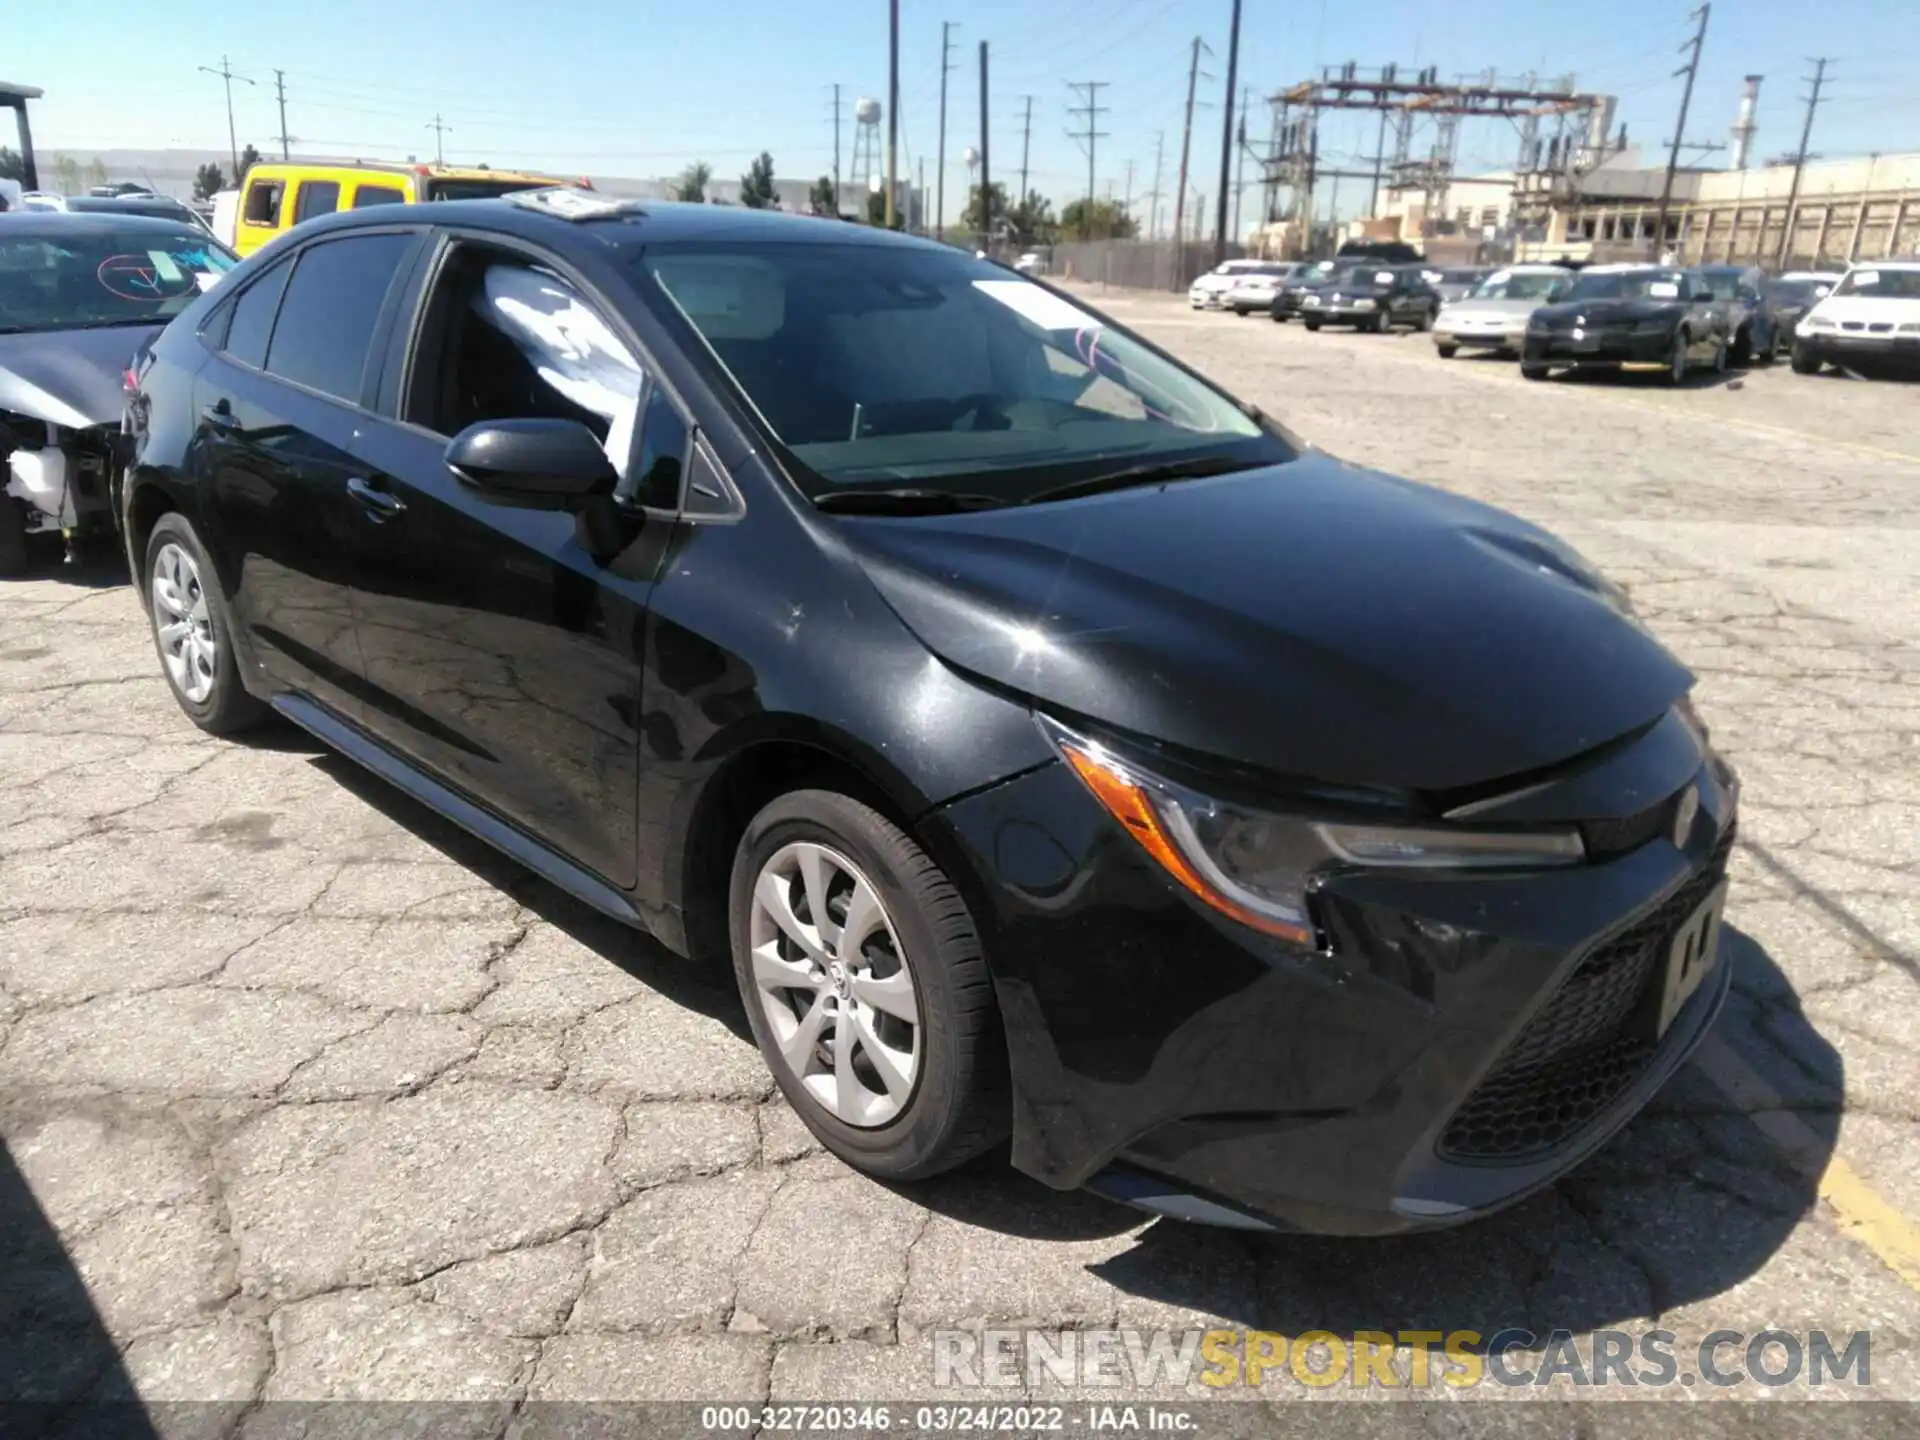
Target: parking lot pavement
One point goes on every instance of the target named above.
(306, 1095)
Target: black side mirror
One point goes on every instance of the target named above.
(549, 463)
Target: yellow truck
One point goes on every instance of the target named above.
(277, 195)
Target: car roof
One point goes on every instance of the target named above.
(1905, 263)
(53, 223)
(637, 224)
(395, 167)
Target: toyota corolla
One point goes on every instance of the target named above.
(1055, 746)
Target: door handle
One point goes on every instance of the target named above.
(219, 416)
(383, 504)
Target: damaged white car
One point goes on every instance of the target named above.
(80, 294)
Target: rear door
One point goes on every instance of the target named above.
(279, 406)
(503, 645)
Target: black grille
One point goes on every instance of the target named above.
(1583, 1047)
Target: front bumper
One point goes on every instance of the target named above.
(1343, 314)
(1169, 1057)
(1475, 337)
(1598, 347)
(1840, 347)
(1206, 299)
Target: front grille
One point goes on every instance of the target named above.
(1583, 1047)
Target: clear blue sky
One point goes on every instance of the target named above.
(640, 87)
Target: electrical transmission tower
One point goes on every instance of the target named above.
(1089, 138)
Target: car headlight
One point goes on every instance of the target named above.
(1909, 327)
(1363, 304)
(1816, 322)
(1258, 867)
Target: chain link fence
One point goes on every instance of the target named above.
(1136, 264)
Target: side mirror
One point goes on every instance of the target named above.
(549, 463)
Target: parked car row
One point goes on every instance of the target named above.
(1568, 316)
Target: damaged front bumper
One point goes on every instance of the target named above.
(63, 478)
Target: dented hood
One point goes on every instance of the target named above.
(73, 378)
(1311, 619)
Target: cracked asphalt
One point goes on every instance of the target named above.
(306, 1095)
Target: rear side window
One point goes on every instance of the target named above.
(378, 195)
(263, 202)
(317, 197)
(252, 320)
(331, 306)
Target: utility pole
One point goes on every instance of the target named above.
(939, 160)
(1088, 139)
(1240, 157)
(1800, 159)
(920, 191)
(1186, 144)
(439, 156)
(280, 93)
(1680, 126)
(1153, 215)
(986, 181)
(1026, 138)
(1126, 200)
(893, 110)
(1379, 164)
(836, 148)
(225, 72)
(1226, 140)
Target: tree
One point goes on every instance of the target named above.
(206, 180)
(756, 186)
(249, 157)
(821, 198)
(970, 218)
(692, 184)
(96, 171)
(12, 166)
(67, 175)
(1032, 222)
(1102, 220)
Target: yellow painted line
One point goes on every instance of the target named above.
(1862, 1213)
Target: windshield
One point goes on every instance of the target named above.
(878, 366)
(1626, 285)
(1881, 284)
(105, 277)
(1725, 284)
(1504, 285)
(1796, 292)
(480, 189)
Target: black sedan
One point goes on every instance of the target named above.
(1289, 299)
(1622, 317)
(909, 637)
(1372, 297)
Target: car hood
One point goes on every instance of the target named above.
(74, 378)
(1465, 309)
(1215, 282)
(1866, 308)
(1607, 312)
(1312, 619)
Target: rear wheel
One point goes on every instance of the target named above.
(1423, 321)
(1740, 355)
(1311, 322)
(1802, 361)
(864, 982)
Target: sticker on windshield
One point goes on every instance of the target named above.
(1499, 277)
(164, 267)
(1865, 279)
(1042, 307)
(1383, 277)
(1663, 290)
(205, 280)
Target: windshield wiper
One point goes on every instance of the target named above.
(905, 501)
(1150, 473)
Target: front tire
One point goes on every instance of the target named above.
(1311, 324)
(1802, 361)
(14, 554)
(1740, 355)
(1677, 361)
(192, 632)
(1530, 371)
(879, 1024)
(1447, 352)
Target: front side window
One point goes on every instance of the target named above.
(317, 197)
(328, 314)
(876, 366)
(252, 319)
(90, 279)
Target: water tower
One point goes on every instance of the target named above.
(868, 168)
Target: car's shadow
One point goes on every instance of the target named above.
(98, 567)
(57, 1362)
(1689, 1200)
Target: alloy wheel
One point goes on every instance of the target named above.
(832, 980)
(182, 623)
(1677, 371)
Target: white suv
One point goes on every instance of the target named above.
(1872, 315)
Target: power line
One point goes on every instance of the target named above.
(1800, 156)
(225, 72)
(1680, 126)
(1088, 139)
